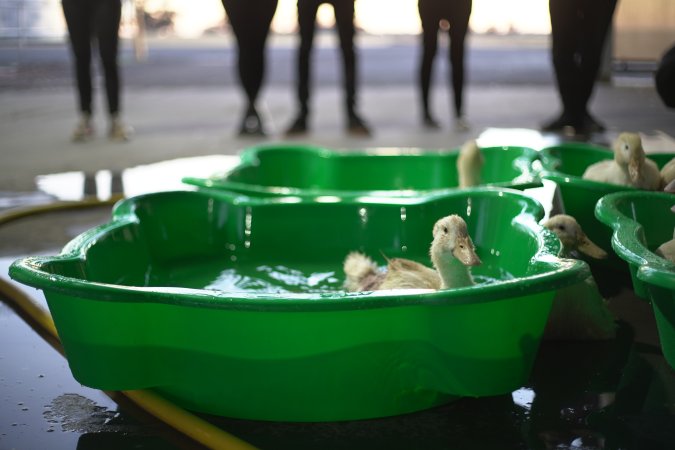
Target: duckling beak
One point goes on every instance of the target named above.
(465, 253)
(588, 247)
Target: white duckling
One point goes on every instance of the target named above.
(469, 164)
(452, 253)
(629, 167)
(578, 312)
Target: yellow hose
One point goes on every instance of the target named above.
(178, 418)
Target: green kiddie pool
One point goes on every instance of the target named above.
(565, 164)
(234, 306)
(307, 171)
(641, 221)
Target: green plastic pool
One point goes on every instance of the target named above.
(642, 221)
(234, 305)
(565, 164)
(315, 171)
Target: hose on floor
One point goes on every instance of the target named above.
(173, 415)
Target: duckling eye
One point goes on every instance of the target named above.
(445, 230)
(561, 227)
(626, 147)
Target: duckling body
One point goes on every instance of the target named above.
(630, 166)
(667, 249)
(469, 164)
(668, 172)
(578, 312)
(452, 253)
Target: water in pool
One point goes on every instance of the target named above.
(313, 277)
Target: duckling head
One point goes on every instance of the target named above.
(452, 242)
(628, 152)
(573, 237)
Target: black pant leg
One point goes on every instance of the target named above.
(78, 21)
(429, 19)
(458, 18)
(107, 16)
(307, 10)
(344, 18)
(565, 39)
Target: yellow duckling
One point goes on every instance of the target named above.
(452, 253)
(469, 164)
(630, 166)
(579, 312)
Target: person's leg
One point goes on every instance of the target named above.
(597, 19)
(430, 20)
(459, 25)
(307, 10)
(564, 51)
(78, 21)
(665, 78)
(250, 24)
(107, 21)
(344, 19)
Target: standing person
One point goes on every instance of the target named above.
(250, 20)
(344, 18)
(578, 33)
(100, 19)
(456, 13)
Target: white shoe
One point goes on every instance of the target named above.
(118, 131)
(461, 124)
(83, 130)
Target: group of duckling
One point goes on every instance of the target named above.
(579, 311)
(631, 167)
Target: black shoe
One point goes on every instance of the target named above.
(299, 126)
(565, 124)
(430, 122)
(357, 127)
(592, 124)
(251, 125)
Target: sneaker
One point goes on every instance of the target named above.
(357, 127)
(461, 124)
(83, 130)
(299, 126)
(118, 131)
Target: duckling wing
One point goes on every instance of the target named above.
(650, 178)
(406, 274)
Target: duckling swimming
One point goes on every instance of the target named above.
(630, 166)
(578, 312)
(452, 253)
(469, 164)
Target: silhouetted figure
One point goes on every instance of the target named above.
(100, 20)
(344, 18)
(578, 33)
(250, 20)
(456, 13)
(665, 78)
